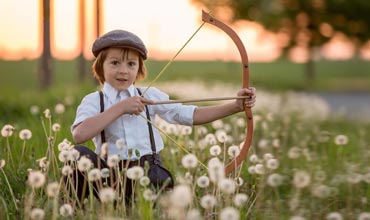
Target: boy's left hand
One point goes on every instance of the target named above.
(248, 102)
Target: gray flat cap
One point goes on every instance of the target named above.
(119, 38)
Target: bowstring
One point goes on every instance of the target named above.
(172, 59)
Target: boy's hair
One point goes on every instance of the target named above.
(99, 61)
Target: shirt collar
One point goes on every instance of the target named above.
(112, 93)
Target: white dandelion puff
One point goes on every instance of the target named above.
(215, 150)
(240, 199)
(334, 216)
(221, 135)
(59, 108)
(194, 214)
(364, 216)
(120, 143)
(63, 156)
(341, 140)
(84, 164)
(301, 179)
(254, 158)
(135, 172)
(149, 195)
(37, 214)
(252, 169)
(105, 173)
(36, 179)
(2, 163)
(67, 170)
(181, 196)
(203, 181)
(259, 169)
(7, 131)
(186, 130)
(272, 164)
(229, 213)
(216, 169)
(320, 191)
(47, 113)
(208, 201)
(34, 110)
(107, 195)
(217, 124)
(55, 127)
(144, 181)
(25, 134)
(66, 210)
(233, 151)
(113, 160)
(189, 161)
(297, 217)
(94, 174)
(211, 139)
(52, 189)
(294, 152)
(227, 186)
(274, 180)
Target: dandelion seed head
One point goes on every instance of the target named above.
(25, 134)
(227, 186)
(149, 195)
(211, 139)
(37, 214)
(144, 181)
(113, 160)
(259, 169)
(363, 216)
(254, 158)
(94, 174)
(240, 122)
(297, 217)
(2, 163)
(263, 144)
(275, 180)
(52, 189)
(181, 196)
(105, 173)
(203, 181)
(107, 195)
(216, 169)
(217, 124)
(34, 110)
(59, 108)
(233, 151)
(194, 214)
(215, 150)
(47, 113)
(229, 213)
(320, 175)
(301, 179)
(208, 201)
(55, 127)
(201, 130)
(341, 140)
(186, 130)
(63, 156)
(84, 164)
(334, 216)
(104, 150)
(240, 199)
(276, 143)
(135, 172)
(239, 181)
(67, 170)
(120, 143)
(320, 191)
(7, 130)
(294, 152)
(36, 179)
(189, 161)
(66, 210)
(272, 164)
(268, 156)
(252, 169)
(221, 135)
(354, 178)
(64, 145)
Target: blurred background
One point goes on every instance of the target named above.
(318, 47)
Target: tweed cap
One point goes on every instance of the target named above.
(119, 38)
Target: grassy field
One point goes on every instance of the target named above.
(298, 168)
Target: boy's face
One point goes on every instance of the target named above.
(120, 69)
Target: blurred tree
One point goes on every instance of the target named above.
(303, 23)
(45, 73)
(81, 58)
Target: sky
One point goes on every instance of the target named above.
(163, 25)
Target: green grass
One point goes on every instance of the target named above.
(16, 77)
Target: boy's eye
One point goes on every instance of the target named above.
(114, 62)
(132, 63)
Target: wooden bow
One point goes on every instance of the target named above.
(206, 17)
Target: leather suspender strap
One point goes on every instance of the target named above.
(102, 133)
(152, 141)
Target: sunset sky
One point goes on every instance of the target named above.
(163, 25)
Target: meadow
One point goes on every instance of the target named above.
(303, 164)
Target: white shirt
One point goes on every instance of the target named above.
(133, 129)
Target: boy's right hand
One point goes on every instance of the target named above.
(134, 105)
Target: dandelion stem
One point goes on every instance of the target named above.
(10, 189)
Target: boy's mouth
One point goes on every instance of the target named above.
(122, 80)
